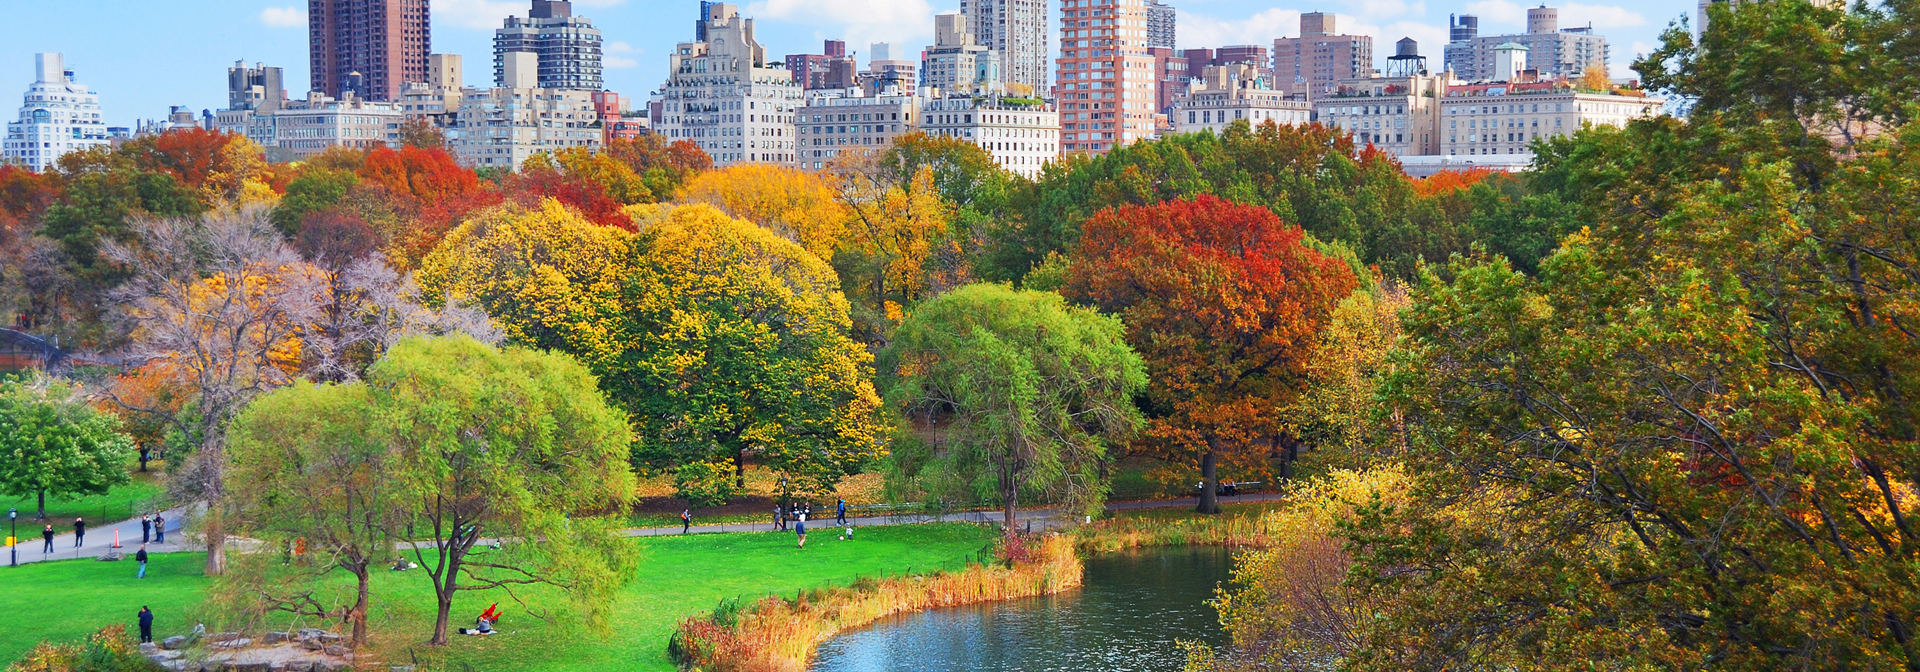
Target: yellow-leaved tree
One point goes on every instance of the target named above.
(896, 249)
(725, 342)
(793, 203)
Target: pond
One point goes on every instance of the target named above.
(1126, 618)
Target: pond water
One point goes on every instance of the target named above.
(1125, 618)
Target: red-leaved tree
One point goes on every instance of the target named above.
(427, 175)
(1224, 302)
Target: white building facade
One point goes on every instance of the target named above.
(1498, 119)
(722, 96)
(1400, 115)
(1021, 138)
(836, 121)
(503, 127)
(308, 127)
(57, 116)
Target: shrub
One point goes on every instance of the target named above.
(109, 650)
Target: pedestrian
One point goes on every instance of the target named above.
(79, 531)
(140, 556)
(47, 534)
(146, 625)
(686, 520)
(800, 526)
(146, 528)
(841, 514)
(159, 529)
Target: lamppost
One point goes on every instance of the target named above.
(13, 537)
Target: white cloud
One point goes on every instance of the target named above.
(907, 24)
(477, 14)
(619, 62)
(1199, 31)
(599, 3)
(284, 17)
(618, 47)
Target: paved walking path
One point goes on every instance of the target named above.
(1041, 518)
(100, 541)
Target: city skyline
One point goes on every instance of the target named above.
(135, 82)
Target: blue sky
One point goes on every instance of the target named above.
(144, 55)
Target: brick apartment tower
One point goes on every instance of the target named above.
(386, 41)
(1106, 89)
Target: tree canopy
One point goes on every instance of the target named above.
(52, 442)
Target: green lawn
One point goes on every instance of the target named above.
(677, 577)
(117, 505)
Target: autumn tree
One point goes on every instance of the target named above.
(1008, 395)
(315, 190)
(612, 176)
(220, 301)
(1224, 302)
(514, 446)
(793, 203)
(54, 443)
(724, 341)
(423, 174)
(663, 165)
(1688, 441)
(896, 249)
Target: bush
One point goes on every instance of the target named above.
(109, 650)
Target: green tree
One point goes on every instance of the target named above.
(308, 474)
(1007, 393)
(53, 443)
(315, 190)
(515, 447)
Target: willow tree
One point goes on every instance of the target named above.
(1008, 394)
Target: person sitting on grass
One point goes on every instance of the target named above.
(484, 624)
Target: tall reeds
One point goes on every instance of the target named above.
(1119, 534)
(779, 634)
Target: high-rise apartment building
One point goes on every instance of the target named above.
(1021, 135)
(886, 73)
(1400, 115)
(957, 64)
(371, 47)
(1236, 92)
(1017, 30)
(56, 116)
(1314, 63)
(569, 46)
(831, 69)
(722, 96)
(837, 121)
(1171, 74)
(258, 88)
(1551, 50)
(1160, 26)
(1106, 82)
(504, 126)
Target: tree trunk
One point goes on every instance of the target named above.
(1210, 478)
(216, 551)
(43, 505)
(1011, 514)
(740, 469)
(358, 616)
(445, 603)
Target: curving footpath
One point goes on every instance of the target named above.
(100, 541)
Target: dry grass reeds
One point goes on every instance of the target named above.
(1118, 534)
(779, 634)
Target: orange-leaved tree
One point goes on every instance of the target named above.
(427, 175)
(1224, 301)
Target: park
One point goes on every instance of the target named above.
(1237, 400)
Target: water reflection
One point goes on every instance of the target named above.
(1126, 618)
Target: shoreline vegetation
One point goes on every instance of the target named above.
(777, 634)
(780, 634)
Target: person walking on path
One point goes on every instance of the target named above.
(140, 556)
(800, 526)
(840, 514)
(159, 529)
(79, 531)
(47, 534)
(146, 528)
(146, 625)
(686, 520)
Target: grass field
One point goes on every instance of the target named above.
(117, 505)
(677, 577)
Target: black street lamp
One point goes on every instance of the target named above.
(13, 535)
